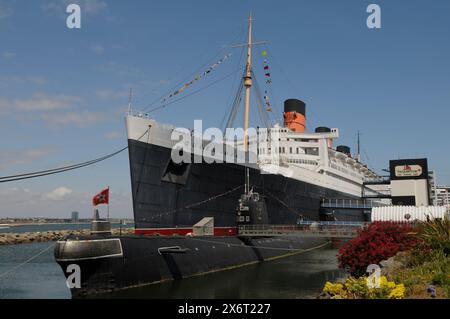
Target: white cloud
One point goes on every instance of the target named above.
(82, 119)
(164, 82)
(120, 69)
(7, 80)
(4, 106)
(44, 102)
(8, 55)
(58, 193)
(10, 158)
(90, 7)
(48, 106)
(5, 11)
(113, 135)
(110, 94)
(38, 201)
(98, 49)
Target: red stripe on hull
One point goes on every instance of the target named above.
(218, 231)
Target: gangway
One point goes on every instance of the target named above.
(304, 229)
(380, 180)
(336, 203)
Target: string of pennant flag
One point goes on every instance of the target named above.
(266, 68)
(197, 77)
(268, 81)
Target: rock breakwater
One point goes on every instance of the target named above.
(37, 237)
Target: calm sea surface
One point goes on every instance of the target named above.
(300, 276)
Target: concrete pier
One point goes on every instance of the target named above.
(38, 237)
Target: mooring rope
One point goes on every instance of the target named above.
(29, 259)
(13, 178)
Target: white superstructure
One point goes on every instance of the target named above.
(307, 157)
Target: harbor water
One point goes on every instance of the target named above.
(299, 276)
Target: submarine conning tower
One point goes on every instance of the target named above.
(295, 115)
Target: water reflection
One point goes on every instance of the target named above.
(300, 276)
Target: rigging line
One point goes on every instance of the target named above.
(276, 104)
(265, 119)
(18, 177)
(233, 88)
(181, 82)
(295, 90)
(235, 109)
(284, 204)
(308, 122)
(142, 170)
(62, 168)
(236, 105)
(279, 67)
(196, 71)
(194, 204)
(29, 259)
(192, 93)
(262, 115)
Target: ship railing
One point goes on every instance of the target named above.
(377, 179)
(314, 229)
(351, 203)
(377, 191)
(139, 114)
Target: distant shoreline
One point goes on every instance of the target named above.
(40, 224)
(54, 223)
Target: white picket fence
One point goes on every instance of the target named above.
(408, 213)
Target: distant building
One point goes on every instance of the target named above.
(410, 184)
(75, 217)
(433, 185)
(443, 196)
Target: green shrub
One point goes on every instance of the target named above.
(436, 234)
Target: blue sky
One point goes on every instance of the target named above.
(63, 93)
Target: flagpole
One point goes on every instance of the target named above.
(108, 204)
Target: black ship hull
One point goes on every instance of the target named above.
(169, 199)
(165, 194)
(113, 263)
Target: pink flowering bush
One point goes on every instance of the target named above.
(377, 242)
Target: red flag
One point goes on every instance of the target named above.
(101, 198)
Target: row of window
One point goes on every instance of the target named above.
(302, 161)
(292, 150)
(339, 168)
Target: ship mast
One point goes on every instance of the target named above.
(248, 82)
(358, 157)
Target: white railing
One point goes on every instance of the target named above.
(378, 179)
(351, 203)
(313, 229)
(139, 114)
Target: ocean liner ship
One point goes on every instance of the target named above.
(294, 170)
(305, 169)
(291, 172)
